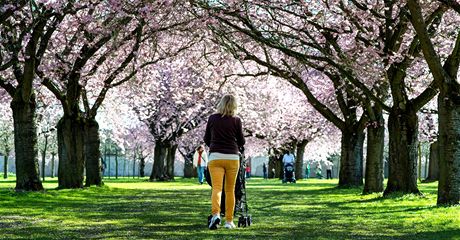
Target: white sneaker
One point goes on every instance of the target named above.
(215, 220)
(229, 225)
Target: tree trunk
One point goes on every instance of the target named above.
(142, 166)
(279, 168)
(25, 144)
(299, 158)
(274, 164)
(123, 173)
(426, 163)
(53, 154)
(5, 161)
(92, 154)
(403, 135)
(159, 172)
(433, 170)
(5, 166)
(116, 163)
(351, 158)
(271, 165)
(449, 142)
(189, 171)
(419, 154)
(171, 158)
(71, 152)
(134, 165)
(43, 165)
(106, 161)
(44, 157)
(374, 156)
(109, 166)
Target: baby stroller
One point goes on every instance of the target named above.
(289, 175)
(241, 204)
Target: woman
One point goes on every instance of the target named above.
(224, 136)
(200, 160)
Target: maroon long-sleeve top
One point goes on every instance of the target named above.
(224, 134)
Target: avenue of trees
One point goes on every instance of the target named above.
(80, 79)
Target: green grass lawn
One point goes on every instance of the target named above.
(137, 209)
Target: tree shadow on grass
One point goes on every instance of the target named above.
(7, 181)
(188, 231)
(124, 180)
(279, 212)
(435, 235)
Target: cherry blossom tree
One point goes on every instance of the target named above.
(120, 126)
(179, 97)
(186, 146)
(428, 130)
(48, 114)
(244, 37)
(140, 142)
(366, 50)
(278, 114)
(6, 131)
(100, 48)
(26, 27)
(445, 77)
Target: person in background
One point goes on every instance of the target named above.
(200, 159)
(265, 170)
(288, 158)
(329, 170)
(103, 166)
(224, 137)
(248, 172)
(307, 171)
(319, 175)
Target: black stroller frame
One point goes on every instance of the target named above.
(241, 203)
(289, 173)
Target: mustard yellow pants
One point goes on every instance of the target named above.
(217, 169)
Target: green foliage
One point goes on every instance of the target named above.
(137, 209)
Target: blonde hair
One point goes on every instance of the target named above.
(227, 105)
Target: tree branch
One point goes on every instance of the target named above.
(9, 88)
(51, 86)
(425, 96)
(455, 5)
(430, 54)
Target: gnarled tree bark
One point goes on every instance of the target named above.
(142, 166)
(449, 142)
(71, 153)
(92, 154)
(445, 77)
(299, 158)
(351, 157)
(403, 131)
(433, 168)
(159, 172)
(374, 157)
(25, 142)
(171, 158)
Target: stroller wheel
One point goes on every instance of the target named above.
(241, 221)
